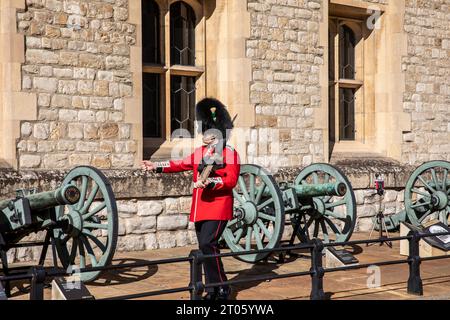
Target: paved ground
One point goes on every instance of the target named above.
(350, 285)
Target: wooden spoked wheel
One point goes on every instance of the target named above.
(258, 221)
(326, 217)
(90, 235)
(427, 193)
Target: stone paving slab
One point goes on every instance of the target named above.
(344, 285)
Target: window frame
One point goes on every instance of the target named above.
(166, 70)
(336, 83)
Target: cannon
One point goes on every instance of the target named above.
(427, 197)
(79, 218)
(320, 203)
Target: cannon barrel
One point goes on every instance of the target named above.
(321, 190)
(68, 194)
(318, 190)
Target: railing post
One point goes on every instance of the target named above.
(415, 286)
(37, 283)
(196, 283)
(317, 271)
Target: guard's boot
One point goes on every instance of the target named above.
(224, 293)
(210, 296)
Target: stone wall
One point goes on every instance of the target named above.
(427, 69)
(286, 60)
(77, 61)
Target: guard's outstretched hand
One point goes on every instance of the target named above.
(148, 166)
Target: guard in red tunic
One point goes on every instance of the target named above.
(216, 169)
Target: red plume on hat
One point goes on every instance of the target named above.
(213, 114)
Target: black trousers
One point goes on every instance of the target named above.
(208, 235)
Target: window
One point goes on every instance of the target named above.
(151, 52)
(151, 78)
(183, 103)
(347, 47)
(182, 34)
(170, 71)
(346, 81)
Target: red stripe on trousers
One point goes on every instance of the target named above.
(215, 252)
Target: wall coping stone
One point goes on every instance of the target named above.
(130, 184)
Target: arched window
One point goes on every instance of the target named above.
(182, 34)
(347, 49)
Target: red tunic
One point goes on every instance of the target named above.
(216, 201)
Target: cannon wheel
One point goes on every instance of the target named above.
(259, 214)
(325, 214)
(427, 193)
(91, 236)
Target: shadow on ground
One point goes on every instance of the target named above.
(125, 275)
(266, 268)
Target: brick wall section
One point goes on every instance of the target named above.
(427, 69)
(77, 61)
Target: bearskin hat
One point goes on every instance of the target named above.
(212, 114)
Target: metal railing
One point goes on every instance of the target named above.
(38, 275)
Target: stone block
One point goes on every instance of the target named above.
(26, 129)
(29, 161)
(166, 240)
(79, 160)
(101, 161)
(182, 238)
(131, 243)
(122, 160)
(86, 116)
(172, 222)
(149, 208)
(87, 146)
(56, 161)
(75, 130)
(41, 131)
(140, 225)
(151, 241)
(43, 84)
(68, 115)
(172, 206)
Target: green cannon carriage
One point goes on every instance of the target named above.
(427, 197)
(80, 220)
(320, 203)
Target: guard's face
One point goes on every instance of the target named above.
(209, 139)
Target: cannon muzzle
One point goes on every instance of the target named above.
(68, 194)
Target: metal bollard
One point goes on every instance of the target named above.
(37, 283)
(196, 275)
(415, 286)
(317, 271)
